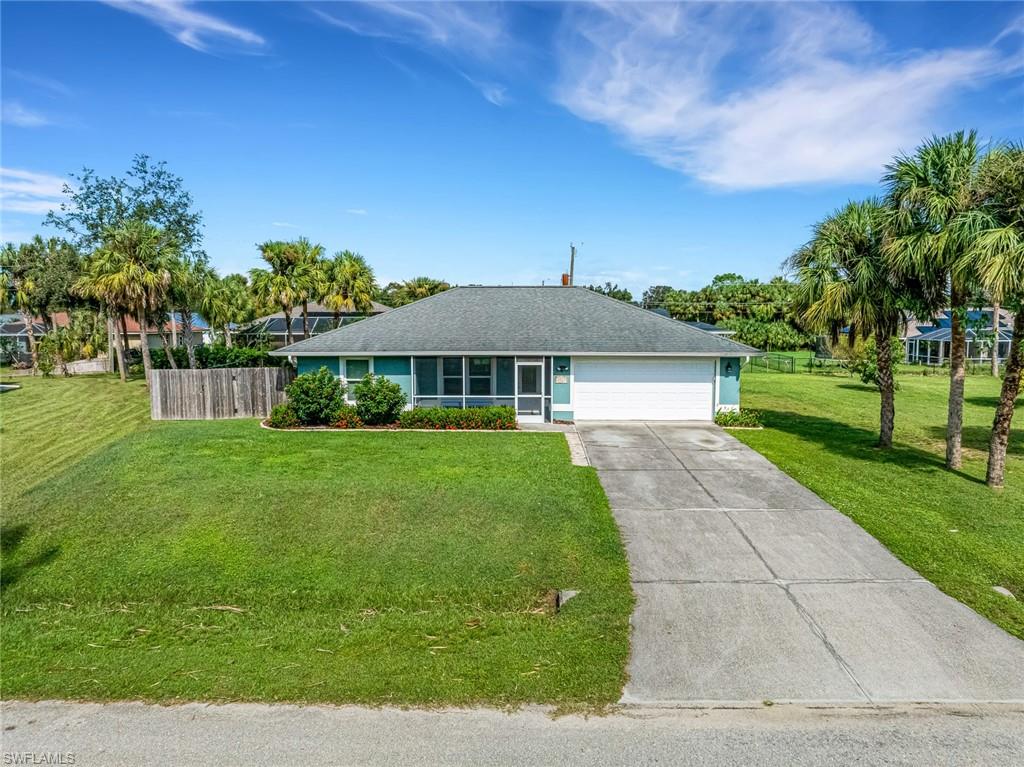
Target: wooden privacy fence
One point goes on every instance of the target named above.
(216, 393)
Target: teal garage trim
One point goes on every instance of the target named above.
(313, 364)
(561, 392)
(729, 383)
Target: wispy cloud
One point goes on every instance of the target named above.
(470, 33)
(356, 211)
(15, 113)
(283, 225)
(496, 93)
(55, 87)
(474, 28)
(26, 191)
(828, 102)
(188, 25)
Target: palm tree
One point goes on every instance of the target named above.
(21, 293)
(997, 257)
(930, 192)
(189, 284)
(305, 260)
(417, 288)
(348, 284)
(845, 281)
(132, 272)
(227, 302)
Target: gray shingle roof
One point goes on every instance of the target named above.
(548, 320)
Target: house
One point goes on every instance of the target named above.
(552, 353)
(707, 327)
(321, 319)
(173, 329)
(14, 335)
(927, 342)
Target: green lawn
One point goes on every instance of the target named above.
(220, 561)
(949, 526)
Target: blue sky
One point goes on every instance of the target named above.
(474, 142)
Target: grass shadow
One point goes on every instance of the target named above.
(16, 563)
(989, 402)
(856, 443)
(857, 387)
(977, 438)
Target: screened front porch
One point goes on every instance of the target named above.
(523, 383)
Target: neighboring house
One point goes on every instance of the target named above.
(15, 336)
(321, 319)
(174, 329)
(552, 353)
(927, 342)
(707, 327)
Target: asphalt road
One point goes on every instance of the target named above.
(86, 734)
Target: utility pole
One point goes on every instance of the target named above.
(572, 262)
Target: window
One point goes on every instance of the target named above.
(354, 372)
(426, 376)
(451, 370)
(480, 375)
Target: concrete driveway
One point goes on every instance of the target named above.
(750, 587)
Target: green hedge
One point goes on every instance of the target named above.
(216, 356)
(490, 418)
(748, 418)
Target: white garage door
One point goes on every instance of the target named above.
(643, 389)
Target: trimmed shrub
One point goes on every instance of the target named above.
(316, 398)
(282, 416)
(747, 418)
(378, 400)
(863, 360)
(348, 418)
(219, 356)
(491, 418)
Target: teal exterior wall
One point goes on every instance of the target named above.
(397, 369)
(729, 382)
(313, 364)
(561, 415)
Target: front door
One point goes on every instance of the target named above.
(530, 392)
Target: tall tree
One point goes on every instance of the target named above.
(931, 193)
(348, 284)
(612, 291)
(21, 293)
(147, 192)
(997, 257)
(227, 302)
(285, 283)
(845, 281)
(401, 293)
(131, 272)
(305, 258)
(190, 282)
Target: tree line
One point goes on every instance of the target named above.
(132, 249)
(948, 226)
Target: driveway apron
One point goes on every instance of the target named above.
(751, 588)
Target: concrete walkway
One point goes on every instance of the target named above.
(751, 588)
